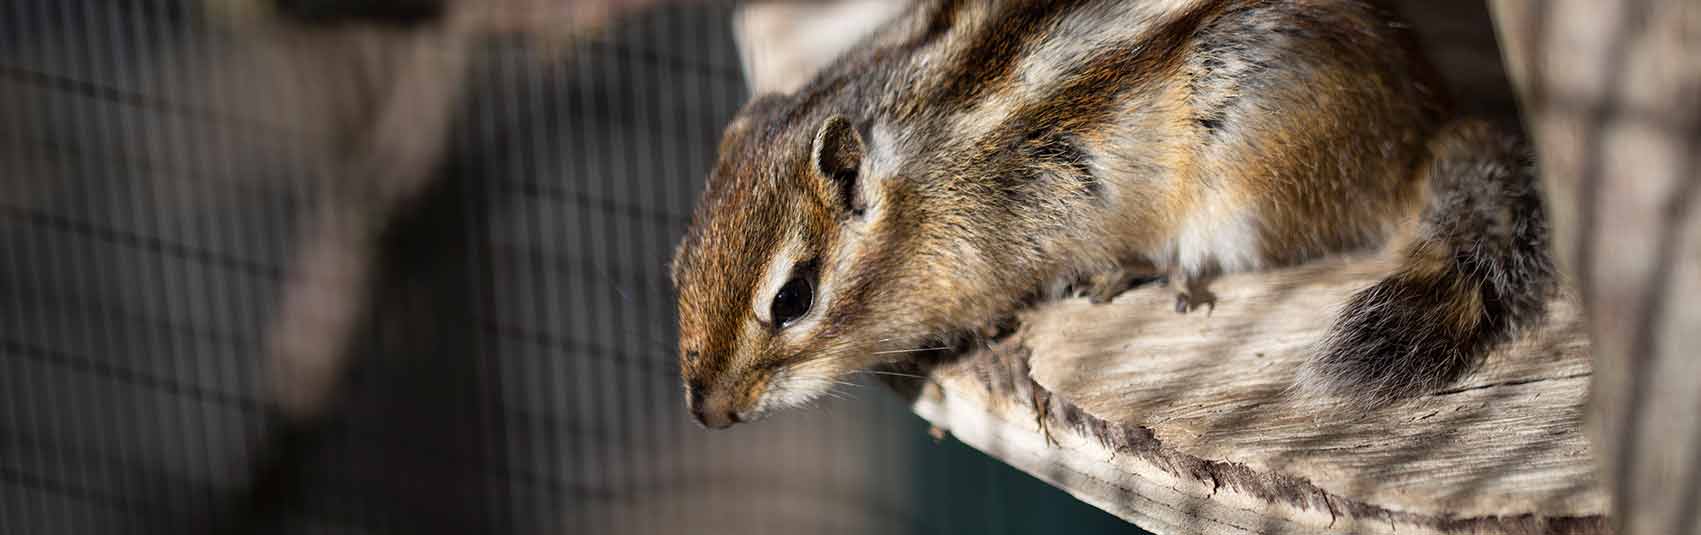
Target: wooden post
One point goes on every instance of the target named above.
(1612, 95)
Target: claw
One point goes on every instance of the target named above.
(1190, 292)
(1103, 294)
(1103, 287)
(1186, 302)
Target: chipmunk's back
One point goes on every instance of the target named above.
(1208, 127)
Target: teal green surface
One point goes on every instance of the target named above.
(965, 491)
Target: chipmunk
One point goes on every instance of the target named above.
(974, 156)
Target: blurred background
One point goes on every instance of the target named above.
(510, 365)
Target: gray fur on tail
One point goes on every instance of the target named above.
(1478, 270)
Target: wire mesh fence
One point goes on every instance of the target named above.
(512, 368)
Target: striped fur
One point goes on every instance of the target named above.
(1007, 145)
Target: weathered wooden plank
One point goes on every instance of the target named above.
(1188, 423)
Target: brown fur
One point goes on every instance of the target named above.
(1475, 271)
(1007, 146)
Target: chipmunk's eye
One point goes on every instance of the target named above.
(792, 301)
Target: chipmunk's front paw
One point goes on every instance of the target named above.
(1187, 301)
(1103, 287)
(1190, 292)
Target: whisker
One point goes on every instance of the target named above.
(657, 343)
(896, 374)
(916, 350)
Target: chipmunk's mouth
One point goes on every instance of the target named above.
(787, 389)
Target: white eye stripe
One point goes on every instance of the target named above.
(775, 275)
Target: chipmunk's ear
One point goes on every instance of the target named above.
(837, 157)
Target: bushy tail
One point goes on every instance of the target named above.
(1478, 269)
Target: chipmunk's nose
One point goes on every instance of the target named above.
(715, 419)
(713, 412)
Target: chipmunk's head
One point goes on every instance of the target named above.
(776, 275)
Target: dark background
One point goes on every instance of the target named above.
(516, 373)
